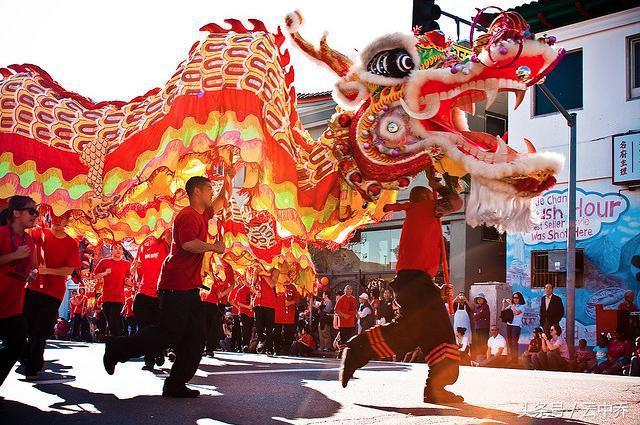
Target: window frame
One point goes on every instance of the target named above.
(633, 93)
(534, 94)
(560, 277)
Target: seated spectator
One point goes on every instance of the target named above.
(535, 346)
(496, 350)
(305, 344)
(585, 358)
(634, 366)
(61, 328)
(462, 339)
(618, 356)
(600, 350)
(555, 352)
(628, 304)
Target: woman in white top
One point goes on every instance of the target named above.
(513, 329)
(461, 317)
(462, 339)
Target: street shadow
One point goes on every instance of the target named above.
(476, 412)
(234, 398)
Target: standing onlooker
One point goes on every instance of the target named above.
(555, 352)
(385, 310)
(628, 304)
(345, 310)
(496, 350)
(113, 271)
(535, 346)
(461, 318)
(16, 262)
(516, 305)
(481, 324)
(551, 309)
(366, 317)
(326, 319)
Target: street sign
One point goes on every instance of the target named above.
(626, 159)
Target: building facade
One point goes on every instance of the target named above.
(598, 80)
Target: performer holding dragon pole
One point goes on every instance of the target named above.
(422, 321)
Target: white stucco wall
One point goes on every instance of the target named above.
(606, 110)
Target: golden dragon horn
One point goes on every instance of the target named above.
(335, 60)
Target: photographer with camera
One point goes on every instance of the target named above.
(555, 352)
(515, 304)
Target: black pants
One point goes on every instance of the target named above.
(213, 326)
(181, 327)
(40, 311)
(300, 349)
(513, 335)
(283, 337)
(80, 328)
(130, 325)
(265, 317)
(480, 338)
(13, 333)
(422, 322)
(346, 334)
(236, 334)
(112, 312)
(246, 327)
(147, 313)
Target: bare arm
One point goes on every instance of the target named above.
(197, 246)
(60, 271)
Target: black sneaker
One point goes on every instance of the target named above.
(180, 392)
(349, 363)
(441, 396)
(260, 348)
(160, 360)
(109, 360)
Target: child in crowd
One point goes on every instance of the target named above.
(305, 344)
(535, 346)
(585, 358)
(600, 351)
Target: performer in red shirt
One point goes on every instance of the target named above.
(236, 328)
(213, 315)
(147, 265)
(181, 312)
(243, 301)
(113, 271)
(285, 321)
(58, 255)
(77, 305)
(422, 322)
(345, 310)
(16, 262)
(128, 316)
(264, 309)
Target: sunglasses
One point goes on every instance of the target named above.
(34, 212)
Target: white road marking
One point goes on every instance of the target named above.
(323, 369)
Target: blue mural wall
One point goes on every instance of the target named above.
(608, 229)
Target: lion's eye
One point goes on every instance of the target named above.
(395, 63)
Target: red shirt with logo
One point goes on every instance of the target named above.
(286, 315)
(77, 303)
(13, 275)
(243, 295)
(113, 289)
(347, 304)
(58, 252)
(421, 238)
(182, 269)
(151, 255)
(267, 296)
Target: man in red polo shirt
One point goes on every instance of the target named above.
(346, 309)
(147, 266)
(58, 255)
(421, 322)
(113, 271)
(286, 310)
(181, 313)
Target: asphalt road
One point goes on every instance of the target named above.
(256, 389)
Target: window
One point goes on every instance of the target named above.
(633, 58)
(551, 267)
(565, 82)
(494, 124)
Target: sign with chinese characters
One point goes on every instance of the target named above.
(626, 159)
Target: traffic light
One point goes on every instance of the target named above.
(425, 14)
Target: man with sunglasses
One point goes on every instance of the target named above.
(16, 263)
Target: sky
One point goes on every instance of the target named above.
(119, 49)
